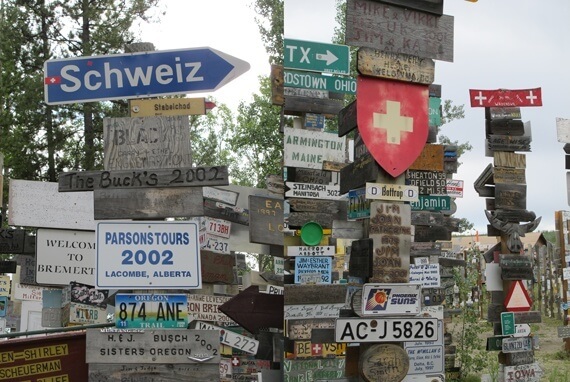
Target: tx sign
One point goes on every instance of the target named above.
(135, 75)
(316, 56)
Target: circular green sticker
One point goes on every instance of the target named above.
(311, 233)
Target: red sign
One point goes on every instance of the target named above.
(505, 98)
(393, 121)
(518, 299)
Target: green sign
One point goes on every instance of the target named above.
(316, 56)
(434, 111)
(508, 323)
(431, 203)
(314, 81)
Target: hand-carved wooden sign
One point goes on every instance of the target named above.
(512, 229)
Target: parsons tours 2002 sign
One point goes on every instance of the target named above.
(148, 255)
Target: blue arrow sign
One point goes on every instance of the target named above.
(141, 74)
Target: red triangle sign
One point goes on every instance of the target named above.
(392, 119)
(518, 299)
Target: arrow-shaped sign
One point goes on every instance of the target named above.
(141, 74)
(316, 56)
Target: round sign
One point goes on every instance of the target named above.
(311, 233)
(384, 362)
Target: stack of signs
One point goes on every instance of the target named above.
(563, 135)
(397, 111)
(506, 211)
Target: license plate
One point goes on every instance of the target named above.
(227, 337)
(215, 244)
(218, 227)
(385, 329)
(151, 311)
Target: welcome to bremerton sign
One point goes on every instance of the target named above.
(141, 74)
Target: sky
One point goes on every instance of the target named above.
(509, 44)
(506, 44)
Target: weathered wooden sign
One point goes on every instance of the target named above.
(429, 159)
(430, 233)
(105, 372)
(148, 203)
(167, 107)
(312, 311)
(296, 105)
(313, 191)
(16, 241)
(505, 97)
(347, 119)
(432, 6)
(394, 130)
(298, 219)
(427, 218)
(160, 345)
(266, 220)
(428, 182)
(502, 113)
(360, 263)
(510, 196)
(315, 369)
(394, 66)
(308, 149)
(509, 159)
(519, 358)
(301, 329)
(277, 85)
(509, 175)
(227, 212)
(508, 143)
(308, 175)
(384, 362)
(356, 174)
(305, 294)
(523, 373)
(151, 178)
(150, 142)
(315, 205)
(8, 266)
(425, 249)
(217, 268)
(531, 317)
(371, 24)
(508, 127)
(223, 195)
(64, 256)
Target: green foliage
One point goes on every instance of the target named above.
(271, 27)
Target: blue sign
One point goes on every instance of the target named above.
(136, 75)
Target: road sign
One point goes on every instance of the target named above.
(151, 311)
(316, 56)
(136, 75)
(400, 329)
(148, 255)
(505, 97)
(518, 299)
(393, 121)
(305, 80)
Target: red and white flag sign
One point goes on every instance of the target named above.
(505, 97)
(392, 121)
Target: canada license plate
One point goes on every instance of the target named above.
(386, 329)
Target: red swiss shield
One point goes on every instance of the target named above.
(392, 120)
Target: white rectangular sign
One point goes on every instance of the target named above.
(425, 274)
(397, 192)
(64, 256)
(229, 338)
(205, 307)
(391, 299)
(308, 149)
(566, 273)
(148, 255)
(427, 357)
(523, 373)
(399, 329)
(29, 292)
(454, 188)
(313, 191)
(307, 250)
(312, 311)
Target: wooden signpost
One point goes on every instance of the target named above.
(266, 220)
(167, 107)
(505, 97)
(394, 66)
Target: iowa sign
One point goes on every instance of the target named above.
(393, 121)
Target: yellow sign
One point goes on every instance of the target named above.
(167, 107)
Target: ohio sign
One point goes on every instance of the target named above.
(141, 74)
(148, 255)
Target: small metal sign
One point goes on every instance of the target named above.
(513, 345)
(381, 191)
(151, 311)
(391, 299)
(230, 338)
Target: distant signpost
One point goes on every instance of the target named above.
(138, 75)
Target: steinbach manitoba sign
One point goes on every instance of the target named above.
(136, 75)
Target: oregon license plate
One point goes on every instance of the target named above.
(165, 311)
(385, 329)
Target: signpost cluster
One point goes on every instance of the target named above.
(503, 184)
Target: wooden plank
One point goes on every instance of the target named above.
(431, 233)
(508, 127)
(482, 182)
(105, 372)
(519, 358)
(360, 261)
(508, 159)
(277, 85)
(225, 211)
(394, 66)
(371, 24)
(217, 268)
(508, 260)
(532, 317)
(8, 266)
(358, 173)
(161, 346)
(428, 182)
(508, 143)
(308, 175)
(150, 142)
(148, 178)
(302, 329)
(509, 175)
(140, 107)
(333, 166)
(152, 203)
(315, 294)
(298, 219)
(425, 249)
(510, 196)
(432, 6)
(347, 119)
(223, 195)
(266, 220)
(427, 218)
(384, 362)
(316, 205)
(13, 241)
(430, 159)
(306, 93)
(299, 105)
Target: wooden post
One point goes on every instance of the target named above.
(560, 224)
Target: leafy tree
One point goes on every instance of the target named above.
(271, 25)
